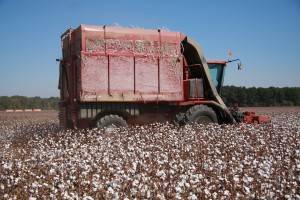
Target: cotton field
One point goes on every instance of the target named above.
(155, 161)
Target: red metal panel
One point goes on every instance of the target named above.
(92, 38)
(186, 89)
(94, 74)
(131, 34)
(66, 48)
(170, 43)
(118, 61)
(121, 74)
(263, 119)
(170, 75)
(166, 38)
(76, 34)
(146, 75)
(224, 62)
(171, 36)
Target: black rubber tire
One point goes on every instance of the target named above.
(178, 119)
(200, 114)
(111, 120)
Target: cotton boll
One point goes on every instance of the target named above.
(226, 193)
(246, 189)
(35, 184)
(178, 189)
(135, 183)
(236, 178)
(86, 197)
(247, 179)
(161, 158)
(161, 174)
(7, 166)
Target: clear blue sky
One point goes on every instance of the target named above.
(264, 34)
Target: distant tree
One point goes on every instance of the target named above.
(242, 96)
(229, 95)
(22, 102)
(5, 103)
(252, 97)
(272, 96)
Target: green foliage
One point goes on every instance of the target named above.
(21, 102)
(272, 96)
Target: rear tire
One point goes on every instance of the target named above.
(200, 114)
(178, 119)
(111, 121)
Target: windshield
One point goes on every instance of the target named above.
(217, 72)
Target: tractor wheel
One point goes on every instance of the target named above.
(111, 122)
(178, 119)
(200, 114)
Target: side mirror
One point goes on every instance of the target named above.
(240, 66)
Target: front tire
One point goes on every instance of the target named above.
(111, 121)
(200, 114)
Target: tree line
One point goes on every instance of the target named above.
(22, 102)
(253, 97)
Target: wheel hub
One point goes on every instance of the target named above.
(204, 120)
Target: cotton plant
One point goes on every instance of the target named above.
(160, 161)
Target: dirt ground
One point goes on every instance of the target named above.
(266, 110)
